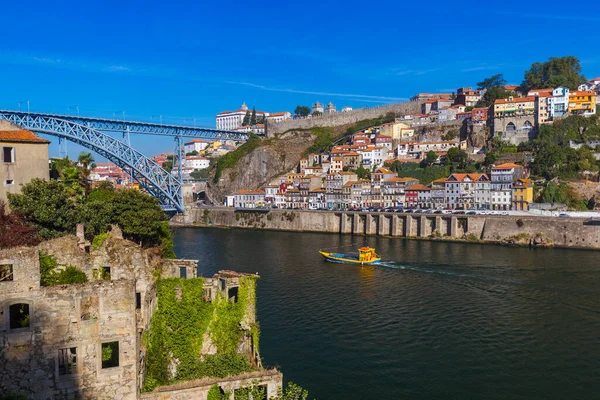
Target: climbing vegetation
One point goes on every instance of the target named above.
(178, 329)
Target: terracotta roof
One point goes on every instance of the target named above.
(399, 179)
(384, 170)
(507, 166)
(515, 100)
(461, 177)
(510, 87)
(196, 141)
(582, 93)
(251, 192)
(21, 136)
(418, 187)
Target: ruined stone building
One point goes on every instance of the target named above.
(85, 341)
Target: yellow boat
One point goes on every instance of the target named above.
(365, 256)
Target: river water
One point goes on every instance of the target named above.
(434, 321)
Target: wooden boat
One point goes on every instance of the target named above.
(365, 256)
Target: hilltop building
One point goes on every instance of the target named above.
(230, 120)
(317, 107)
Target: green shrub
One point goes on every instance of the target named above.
(99, 240)
(50, 277)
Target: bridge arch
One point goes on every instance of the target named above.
(151, 176)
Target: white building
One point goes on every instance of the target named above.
(279, 116)
(558, 104)
(461, 189)
(229, 120)
(502, 180)
(249, 198)
(258, 129)
(197, 162)
(195, 145)
(346, 108)
(483, 190)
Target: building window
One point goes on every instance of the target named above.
(8, 154)
(138, 300)
(67, 361)
(19, 316)
(110, 355)
(183, 272)
(6, 272)
(9, 182)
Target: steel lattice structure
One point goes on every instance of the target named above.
(124, 126)
(151, 176)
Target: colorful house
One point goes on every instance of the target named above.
(522, 194)
(582, 102)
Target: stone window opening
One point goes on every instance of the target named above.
(6, 272)
(183, 272)
(19, 316)
(105, 273)
(233, 294)
(206, 295)
(110, 355)
(138, 300)
(67, 361)
(8, 154)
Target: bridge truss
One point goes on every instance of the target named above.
(89, 132)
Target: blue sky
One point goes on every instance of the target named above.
(190, 59)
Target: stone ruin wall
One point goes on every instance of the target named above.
(83, 316)
(80, 316)
(341, 118)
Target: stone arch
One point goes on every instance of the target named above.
(527, 126)
(510, 127)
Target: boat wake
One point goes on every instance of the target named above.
(440, 271)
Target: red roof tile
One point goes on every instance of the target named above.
(21, 136)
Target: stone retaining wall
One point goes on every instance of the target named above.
(564, 232)
(341, 118)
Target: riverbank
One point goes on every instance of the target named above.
(516, 230)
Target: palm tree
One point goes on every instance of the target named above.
(86, 161)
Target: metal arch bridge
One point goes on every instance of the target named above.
(89, 132)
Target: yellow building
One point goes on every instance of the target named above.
(397, 131)
(582, 102)
(522, 194)
(514, 106)
(216, 144)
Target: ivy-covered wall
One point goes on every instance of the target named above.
(182, 321)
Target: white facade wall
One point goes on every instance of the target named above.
(197, 162)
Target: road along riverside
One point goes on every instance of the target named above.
(533, 231)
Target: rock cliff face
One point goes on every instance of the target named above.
(275, 157)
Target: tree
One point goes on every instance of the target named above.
(494, 94)
(46, 205)
(253, 117)
(192, 153)
(557, 71)
(168, 164)
(456, 156)
(58, 165)
(87, 162)
(14, 231)
(431, 157)
(302, 111)
(363, 173)
(246, 120)
(493, 81)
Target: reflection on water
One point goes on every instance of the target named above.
(434, 320)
